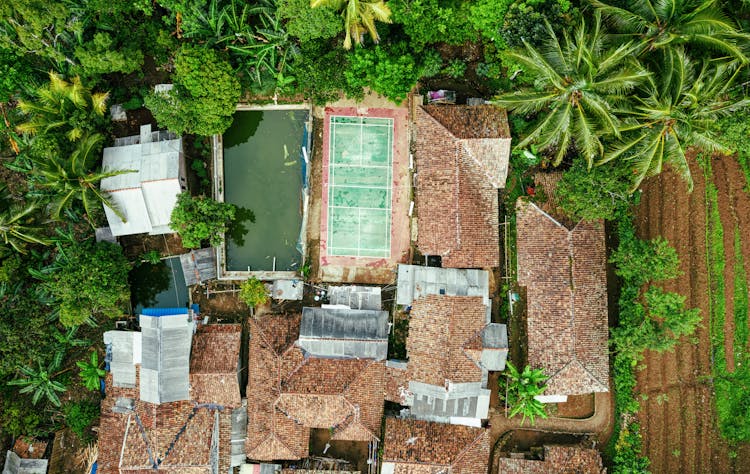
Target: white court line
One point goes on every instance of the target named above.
(359, 186)
(361, 208)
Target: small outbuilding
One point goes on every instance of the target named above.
(146, 193)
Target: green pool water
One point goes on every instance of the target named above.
(263, 173)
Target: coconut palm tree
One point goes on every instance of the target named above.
(71, 179)
(523, 386)
(660, 24)
(40, 383)
(17, 223)
(62, 105)
(359, 17)
(678, 109)
(579, 83)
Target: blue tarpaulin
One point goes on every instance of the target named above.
(156, 312)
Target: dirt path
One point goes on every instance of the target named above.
(598, 425)
(678, 415)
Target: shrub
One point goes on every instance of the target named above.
(101, 55)
(204, 97)
(201, 218)
(599, 193)
(390, 71)
(487, 17)
(432, 63)
(455, 68)
(92, 279)
(253, 292)
(433, 21)
(639, 261)
(307, 23)
(525, 21)
(79, 416)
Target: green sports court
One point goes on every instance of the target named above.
(360, 176)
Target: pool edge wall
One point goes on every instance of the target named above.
(217, 156)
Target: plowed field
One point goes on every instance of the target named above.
(679, 417)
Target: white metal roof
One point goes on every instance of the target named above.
(415, 281)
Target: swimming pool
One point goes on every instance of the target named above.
(262, 168)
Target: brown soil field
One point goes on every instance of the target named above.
(678, 416)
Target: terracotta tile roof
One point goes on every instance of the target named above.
(474, 121)
(427, 447)
(457, 181)
(439, 329)
(289, 394)
(176, 436)
(396, 383)
(557, 460)
(564, 272)
(29, 448)
(213, 365)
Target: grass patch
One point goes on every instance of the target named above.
(732, 389)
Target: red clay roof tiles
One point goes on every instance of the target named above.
(564, 272)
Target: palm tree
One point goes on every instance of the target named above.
(579, 83)
(17, 223)
(679, 109)
(522, 388)
(71, 179)
(59, 105)
(40, 383)
(359, 17)
(660, 24)
(90, 372)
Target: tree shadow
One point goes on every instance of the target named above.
(238, 228)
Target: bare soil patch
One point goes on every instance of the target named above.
(577, 406)
(678, 418)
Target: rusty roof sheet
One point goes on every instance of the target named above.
(557, 460)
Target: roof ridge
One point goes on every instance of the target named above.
(464, 141)
(469, 446)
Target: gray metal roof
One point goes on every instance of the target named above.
(146, 197)
(356, 297)
(165, 361)
(126, 352)
(239, 432)
(17, 465)
(198, 266)
(349, 333)
(433, 403)
(416, 281)
(495, 346)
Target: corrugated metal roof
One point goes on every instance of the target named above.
(198, 266)
(147, 197)
(126, 352)
(356, 297)
(415, 281)
(165, 362)
(346, 333)
(433, 403)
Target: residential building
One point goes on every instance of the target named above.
(462, 157)
(422, 447)
(554, 460)
(320, 370)
(147, 194)
(564, 273)
(451, 347)
(170, 395)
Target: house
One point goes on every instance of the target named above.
(147, 195)
(415, 281)
(451, 347)
(564, 273)
(26, 457)
(555, 460)
(423, 447)
(297, 382)
(462, 157)
(170, 395)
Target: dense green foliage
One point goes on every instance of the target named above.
(80, 416)
(307, 23)
(90, 372)
(388, 71)
(601, 192)
(91, 281)
(204, 97)
(200, 218)
(359, 17)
